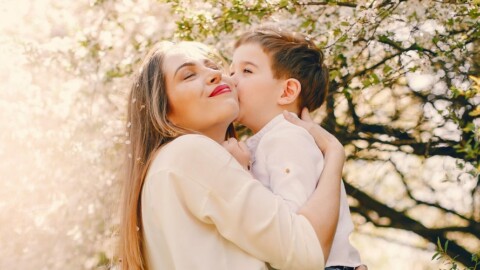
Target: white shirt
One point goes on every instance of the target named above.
(286, 160)
(202, 210)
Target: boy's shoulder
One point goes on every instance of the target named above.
(290, 141)
(286, 132)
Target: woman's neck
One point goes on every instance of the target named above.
(216, 133)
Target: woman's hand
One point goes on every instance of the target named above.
(328, 144)
(323, 138)
(239, 151)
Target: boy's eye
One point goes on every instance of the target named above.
(246, 70)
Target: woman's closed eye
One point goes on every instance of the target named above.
(188, 75)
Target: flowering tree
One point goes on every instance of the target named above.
(402, 100)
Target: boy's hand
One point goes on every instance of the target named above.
(239, 151)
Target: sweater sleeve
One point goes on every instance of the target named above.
(241, 208)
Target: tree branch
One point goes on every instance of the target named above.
(400, 220)
(418, 202)
(338, 3)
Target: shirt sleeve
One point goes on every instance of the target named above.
(293, 163)
(241, 208)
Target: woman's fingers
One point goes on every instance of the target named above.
(294, 120)
(322, 137)
(306, 115)
(306, 122)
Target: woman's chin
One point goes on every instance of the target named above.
(234, 113)
(230, 116)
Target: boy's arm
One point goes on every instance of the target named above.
(322, 209)
(293, 163)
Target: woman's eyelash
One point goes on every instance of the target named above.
(189, 76)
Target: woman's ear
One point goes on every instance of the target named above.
(291, 90)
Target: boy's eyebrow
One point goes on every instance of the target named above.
(249, 63)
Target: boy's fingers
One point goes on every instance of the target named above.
(244, 147)
(229, 144)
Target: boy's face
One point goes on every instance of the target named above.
(258, 90)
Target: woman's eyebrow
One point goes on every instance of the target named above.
(186, 64)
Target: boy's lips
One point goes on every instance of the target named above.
(223, 88)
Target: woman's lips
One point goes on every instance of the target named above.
(220, 90)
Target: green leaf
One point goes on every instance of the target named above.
(366, 83)
(347, 93)
(337, 32)
(439, 244)
(387, 69)
(334, 73)
(413, 69)
(375, 78)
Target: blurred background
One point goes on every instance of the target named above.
(404, 100)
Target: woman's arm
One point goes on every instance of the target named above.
(216, 190)
(322, 208)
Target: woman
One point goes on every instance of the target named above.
(188, 204)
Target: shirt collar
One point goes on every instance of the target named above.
(253, 141)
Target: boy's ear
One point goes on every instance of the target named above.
(291, 90)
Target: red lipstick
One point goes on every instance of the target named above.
(223, 88)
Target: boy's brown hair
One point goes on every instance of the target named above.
(293, 55)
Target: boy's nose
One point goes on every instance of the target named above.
(234, 79)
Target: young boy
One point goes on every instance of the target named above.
(276, 71)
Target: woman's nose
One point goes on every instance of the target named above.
(215, 77)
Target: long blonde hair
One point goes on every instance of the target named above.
(148, 129)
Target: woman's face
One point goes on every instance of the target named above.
(200, 98)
